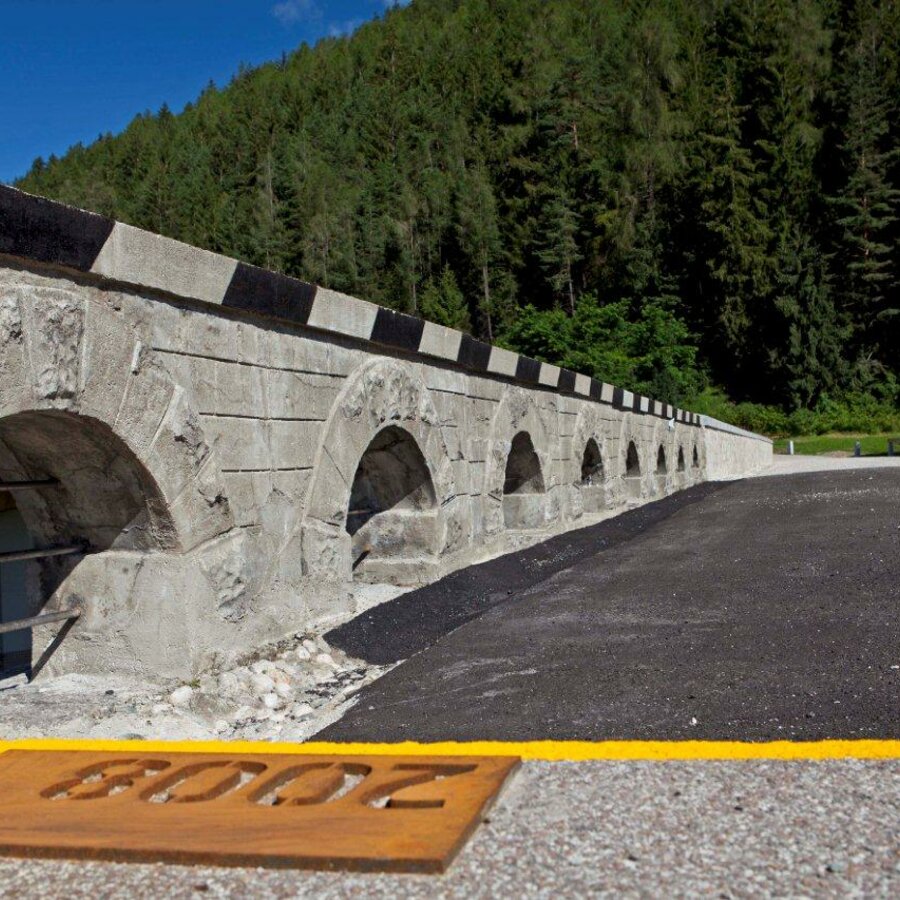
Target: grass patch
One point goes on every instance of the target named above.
(872, 444)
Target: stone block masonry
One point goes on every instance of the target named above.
(234, 448)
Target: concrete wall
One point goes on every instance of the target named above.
(206, 421)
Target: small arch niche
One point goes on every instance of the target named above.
(661, 467)
(392, 510)
(632, 471)
(591, 465)
(592, 478)
(523, 485)
(681, 465)
(696, 459)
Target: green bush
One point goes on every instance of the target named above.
(855, 413)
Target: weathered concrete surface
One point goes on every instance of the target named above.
(767, 610)
(206, 423)
(671, 829)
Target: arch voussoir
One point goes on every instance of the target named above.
(381, 394)
(67, 355)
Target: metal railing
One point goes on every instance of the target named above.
(35, 621)
(27, 485)
(8, 556)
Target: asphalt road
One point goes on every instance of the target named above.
(756, 610)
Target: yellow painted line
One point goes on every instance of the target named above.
(562, 751)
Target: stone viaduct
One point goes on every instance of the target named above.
(216, 453)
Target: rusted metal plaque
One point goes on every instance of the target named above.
(363, 813)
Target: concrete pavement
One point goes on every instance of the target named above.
(637, 829)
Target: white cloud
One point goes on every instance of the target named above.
(342, 29)
(289, 12)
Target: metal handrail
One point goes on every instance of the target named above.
(35, 621)
(26, 485)
(17, 555)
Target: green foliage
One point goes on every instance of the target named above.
(870, 444)
(443, 302)
(658, 193)
(853, 413)
(651, 351)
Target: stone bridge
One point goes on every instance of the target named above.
(219, 453)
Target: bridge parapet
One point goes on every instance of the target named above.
(286, 441)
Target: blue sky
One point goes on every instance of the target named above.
(73, 69)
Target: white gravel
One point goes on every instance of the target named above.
(287, 694)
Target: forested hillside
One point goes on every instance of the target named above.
(667, 194)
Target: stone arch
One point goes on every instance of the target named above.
(681, 463)
(392, 505)
(88, 493)
(631, 469)
(590, 445)
(632, 461)
(86, 407)
(92, 489)
(523, 485)
(662, 466)
(696, 439)
(67, 364)
(661, 469)
(592, 471)
(519, 412)
(381, 394)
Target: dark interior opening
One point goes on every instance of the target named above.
(661, 467)
(523, 468)
(71, 483)
(591, 464)
(696, 461)
(392, 475)
(15, 647)
(632, 462)
(681, 459)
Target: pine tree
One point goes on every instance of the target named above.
(807, 361)
(868, 204)
(479, 235)
(735, 234)
(559, 252)
(443, 302)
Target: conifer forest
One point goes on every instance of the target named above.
(694, 199)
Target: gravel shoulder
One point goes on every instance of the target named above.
(287, 694)
(673, 829)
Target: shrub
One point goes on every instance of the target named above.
(856, 412)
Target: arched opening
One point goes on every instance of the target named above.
(591, 465)
(523, 484)
(696, 460)
(632, 471)
(68, 483)
(592, 478)
(681, 465)
(392, 511)
(661, 467)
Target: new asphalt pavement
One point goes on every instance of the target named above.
(755, 610)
